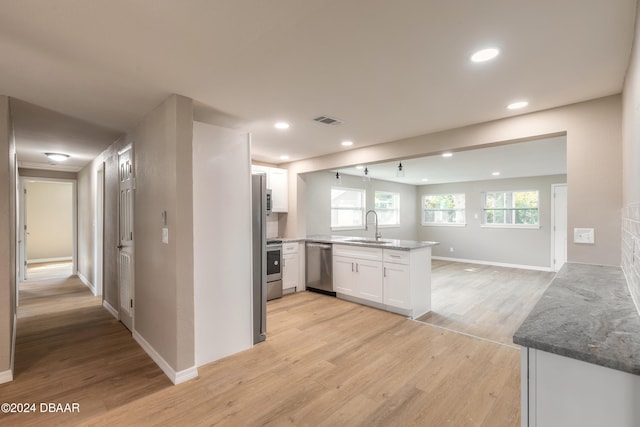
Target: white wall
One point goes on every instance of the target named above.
(222, 242)
(318, 205)
(49, 209)
(520, 247)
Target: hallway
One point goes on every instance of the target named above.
(71, 350)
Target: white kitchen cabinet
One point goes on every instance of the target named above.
(278, 183)
(357, 272)
(396, 285)
(389, 279)
(290, 266)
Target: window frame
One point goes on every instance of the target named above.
(483, 205)
(396, 208)
(423, 210)
(363, 195)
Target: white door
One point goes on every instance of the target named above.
(125, 260)
(99, 232)
(558, 226)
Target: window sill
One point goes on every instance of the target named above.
(347, 228)
(433, 224)
(389, 226)
(521, 227)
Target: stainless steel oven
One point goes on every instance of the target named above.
(274, 269)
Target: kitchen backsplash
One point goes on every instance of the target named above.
(631, 249)
(272, 225)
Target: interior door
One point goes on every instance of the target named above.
(125, 260)
(559, 226)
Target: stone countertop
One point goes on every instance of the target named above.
(404, 245)
(586, 314)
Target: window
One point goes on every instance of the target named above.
(443, 209)
(387, 206)
(511, 208)
(347, 208)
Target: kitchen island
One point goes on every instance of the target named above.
(580, 360)
(389, 274)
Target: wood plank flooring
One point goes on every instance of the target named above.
(482, 300)
(326, 362)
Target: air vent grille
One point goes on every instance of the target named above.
(328, 120)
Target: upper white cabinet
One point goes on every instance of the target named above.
(278, 182)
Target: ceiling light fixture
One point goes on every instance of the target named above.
(57, 157)
(400, 173)
(517, 105)
(485, 55)
(338, 178)
(281, 125)
(424, 180)
(284, 157)
(447, 154)
(347, 143)
(495, 173)
(365, 174)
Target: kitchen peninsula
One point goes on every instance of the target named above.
(389, 274)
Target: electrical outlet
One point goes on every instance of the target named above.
(584, 235)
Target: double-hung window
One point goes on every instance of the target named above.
(443, 209)
(387, 206)
(511, 209)
(347, 208)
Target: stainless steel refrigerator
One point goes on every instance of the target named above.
(259, 207)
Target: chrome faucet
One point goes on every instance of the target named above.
(366, 224)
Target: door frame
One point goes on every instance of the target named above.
(98, 252)
(552, 263)
(22, 252)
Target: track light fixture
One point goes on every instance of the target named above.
(400, 173)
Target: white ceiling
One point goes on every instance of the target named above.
(390, 70)
(533, 158)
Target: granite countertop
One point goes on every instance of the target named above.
(404, 245)
(586, 314)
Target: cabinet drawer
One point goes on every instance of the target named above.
(290, 248)
(399, 257)
(358, 252)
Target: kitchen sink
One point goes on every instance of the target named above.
(374, 242)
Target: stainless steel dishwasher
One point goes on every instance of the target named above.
(319, 269)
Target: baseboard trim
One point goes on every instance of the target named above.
(176, 377)
(41, 260)
(6, 376)
(87, 283)
(495, 264)
(110, 309)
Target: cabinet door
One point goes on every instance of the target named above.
(290, 268)
(343, 275)
(397, 285)
(369, 279)
(278, 182)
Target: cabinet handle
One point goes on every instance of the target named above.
(384, 272)
(394, 256)
(352, 267)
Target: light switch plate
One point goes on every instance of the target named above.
(165, 235)
(584, 235)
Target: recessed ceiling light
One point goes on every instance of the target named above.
(57, 157)
(485, 55)
(424, 180)
(517, 105)
(281, 125)
(284, 157)
(347, 143)
(359, 167)
(495, 173)
(447, 154)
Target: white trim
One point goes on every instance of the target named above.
(87, 283)
(495, 264)
(110, 309)
(443, 224)
(58, 259)
(512, 226)
(13, 340)
(6, 376)
(175, 377)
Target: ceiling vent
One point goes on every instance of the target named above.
(328, 120)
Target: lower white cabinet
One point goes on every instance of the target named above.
(290, 266)
(394, 280)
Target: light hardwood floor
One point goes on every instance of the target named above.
(481, 300)
(326, 362)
